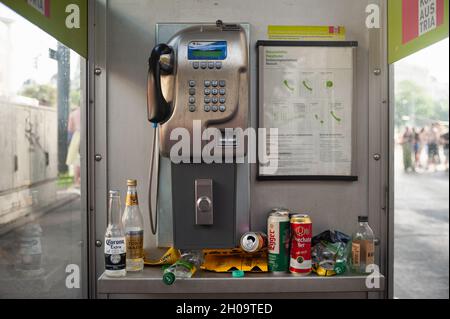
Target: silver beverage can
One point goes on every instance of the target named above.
(253, 241)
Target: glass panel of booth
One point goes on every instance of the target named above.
(42, 224)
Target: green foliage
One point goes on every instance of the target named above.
(414, 102)
(44, 93)
(75, 97)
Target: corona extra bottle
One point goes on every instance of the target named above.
(115, 248)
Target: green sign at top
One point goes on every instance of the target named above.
(65, 20)
(414, 25)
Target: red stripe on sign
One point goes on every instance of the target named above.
(47, 8)
(410, 20)
(439, 12)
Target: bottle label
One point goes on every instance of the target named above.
(115, 253)
(132, 200)
(356, 253)
(135, 244)
(189, 267)
(367, 251)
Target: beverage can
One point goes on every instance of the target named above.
(253, 241)
(278, 240)
(301, 235)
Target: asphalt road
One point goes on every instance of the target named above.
(421, 246)
(60, 246)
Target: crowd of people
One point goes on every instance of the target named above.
(428, 141)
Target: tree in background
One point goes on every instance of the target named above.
(44, 93)
(416, 106)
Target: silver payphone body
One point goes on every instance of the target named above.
(200, 79)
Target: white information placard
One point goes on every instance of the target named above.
(306, 91)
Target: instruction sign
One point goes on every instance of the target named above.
(306, 92)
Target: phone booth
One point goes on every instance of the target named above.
(165, 69)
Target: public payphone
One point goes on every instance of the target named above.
(199, 79)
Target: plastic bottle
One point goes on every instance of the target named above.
(363, 246)
(185, 267)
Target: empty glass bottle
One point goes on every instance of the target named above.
(115, 248)
(133, 225)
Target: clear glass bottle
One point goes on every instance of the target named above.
(363, 246)
(133, 224)
(115, 247)
(185, 267)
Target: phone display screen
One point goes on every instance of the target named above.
(207, 50)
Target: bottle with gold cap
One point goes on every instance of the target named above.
(133, 225)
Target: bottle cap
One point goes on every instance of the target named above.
(363, 219)
(237, 274)
(340, 267)
(131, 182)
(168, 278)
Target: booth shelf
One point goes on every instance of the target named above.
(149, 281)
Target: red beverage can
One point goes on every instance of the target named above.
(301, 234)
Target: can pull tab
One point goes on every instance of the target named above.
(228, 26)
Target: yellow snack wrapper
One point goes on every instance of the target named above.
(170, 257)
(227, 260)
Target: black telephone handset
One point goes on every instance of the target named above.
(157, 106)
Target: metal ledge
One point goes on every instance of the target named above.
(149, 282)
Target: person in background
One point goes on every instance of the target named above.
(417, 147)
(407, 141)
(433, 146)
(444, 142)
(73, 153)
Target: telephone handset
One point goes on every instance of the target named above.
(157, 106)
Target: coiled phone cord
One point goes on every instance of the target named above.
(153, 225)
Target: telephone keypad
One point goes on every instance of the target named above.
(213, 95)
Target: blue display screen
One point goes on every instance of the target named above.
(207, 50)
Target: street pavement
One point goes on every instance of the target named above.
(60, 245)
(421, 231)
